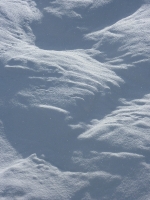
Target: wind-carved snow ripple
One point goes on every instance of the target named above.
(55, 89)
(124, 130)
(47, 100)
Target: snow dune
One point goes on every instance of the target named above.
(74, 99)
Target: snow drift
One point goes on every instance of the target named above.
(74, 99)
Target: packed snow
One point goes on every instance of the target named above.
(74, 100)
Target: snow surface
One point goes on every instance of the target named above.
(74, 99)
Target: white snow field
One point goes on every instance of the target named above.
(74, 100)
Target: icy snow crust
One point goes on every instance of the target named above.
(74, 99)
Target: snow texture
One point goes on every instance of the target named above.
(74, 100)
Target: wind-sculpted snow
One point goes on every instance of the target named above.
(128, 39)
(126, 128)
(69, 21)
(74, 99)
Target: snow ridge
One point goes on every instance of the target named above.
(74, 99)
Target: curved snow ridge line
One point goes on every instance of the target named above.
(33, 157)
(18, 67)
(52, 108)
(67, 8)
(74, 66)
(120, 39)
(88, 175)
(126, 128)
(122, 154)
(42, 163)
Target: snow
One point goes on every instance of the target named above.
(74, 99)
